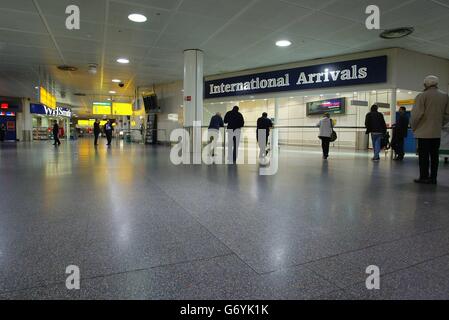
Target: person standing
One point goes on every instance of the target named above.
(375, 124)
(56, 133)
(429, 115)
(97, 131)
(108, 129)
(235, 121)
(400, 132)
(2, 132)
(326, 128)
(216, 122)
(264, 124)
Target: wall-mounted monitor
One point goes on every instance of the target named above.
(150, 102)
(333, 106)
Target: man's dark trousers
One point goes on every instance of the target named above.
(428, 150)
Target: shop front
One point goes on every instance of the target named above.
(297, 96)
(8, 113)
(43, 120)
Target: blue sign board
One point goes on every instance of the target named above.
(42, 109)
(345, 73)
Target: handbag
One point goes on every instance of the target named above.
(334, 135)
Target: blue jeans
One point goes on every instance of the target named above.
(376, 138)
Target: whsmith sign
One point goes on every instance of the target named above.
(345, 73)
(58, 112)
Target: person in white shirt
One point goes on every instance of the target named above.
(325, 126)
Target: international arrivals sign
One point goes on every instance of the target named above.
(336, 74)
(57, 112)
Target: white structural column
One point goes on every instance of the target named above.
(25, 122)
(393, 105)
(193, 97)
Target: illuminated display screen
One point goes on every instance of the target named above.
(102, 108)
(333, 106)
(90, 123)
(122, 109)
(46, 98)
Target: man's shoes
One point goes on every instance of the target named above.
(376, 159)
(426, 181)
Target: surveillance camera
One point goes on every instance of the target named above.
(121, 84)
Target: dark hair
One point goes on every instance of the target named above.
(264, 114)
(374, 107)
(236, 108)
(403, 108)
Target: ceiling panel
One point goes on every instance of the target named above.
(355, 9)
(88, 30)
(420, 10)
(318, 25)
(90, 10)
(213, 8)
(130, 37)
(119, 12)
(162, 4)
(21, 21)
(26, 39)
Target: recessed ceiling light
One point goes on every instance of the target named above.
(122, 60)
(409, 92)
(137, 17)
(112, 92)
(116, 80)
(397, 33)
(283, 43)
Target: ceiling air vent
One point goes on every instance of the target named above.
(67, 68)
(397, 33)
(79, 94)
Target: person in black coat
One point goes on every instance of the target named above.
(216, 122)
(375, 124)
(2, 132)
(400, 132)
(263, 123)
(56, 134)
(234, 120)
(97, 131)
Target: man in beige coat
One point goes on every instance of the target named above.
(429, 115)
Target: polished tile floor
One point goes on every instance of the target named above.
(139, 227)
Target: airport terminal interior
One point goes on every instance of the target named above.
(117, 177)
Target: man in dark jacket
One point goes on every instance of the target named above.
(375, 124)
(108, 128)
(264, 124)
(97, 131)
(234, 120)
(56, 134)
(400, 133)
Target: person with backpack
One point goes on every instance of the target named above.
(326, 129)
(375, 124)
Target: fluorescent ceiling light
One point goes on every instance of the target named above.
(137, 17)
(122, 60)
(116, 80)
(112, 92)
(283, 43)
